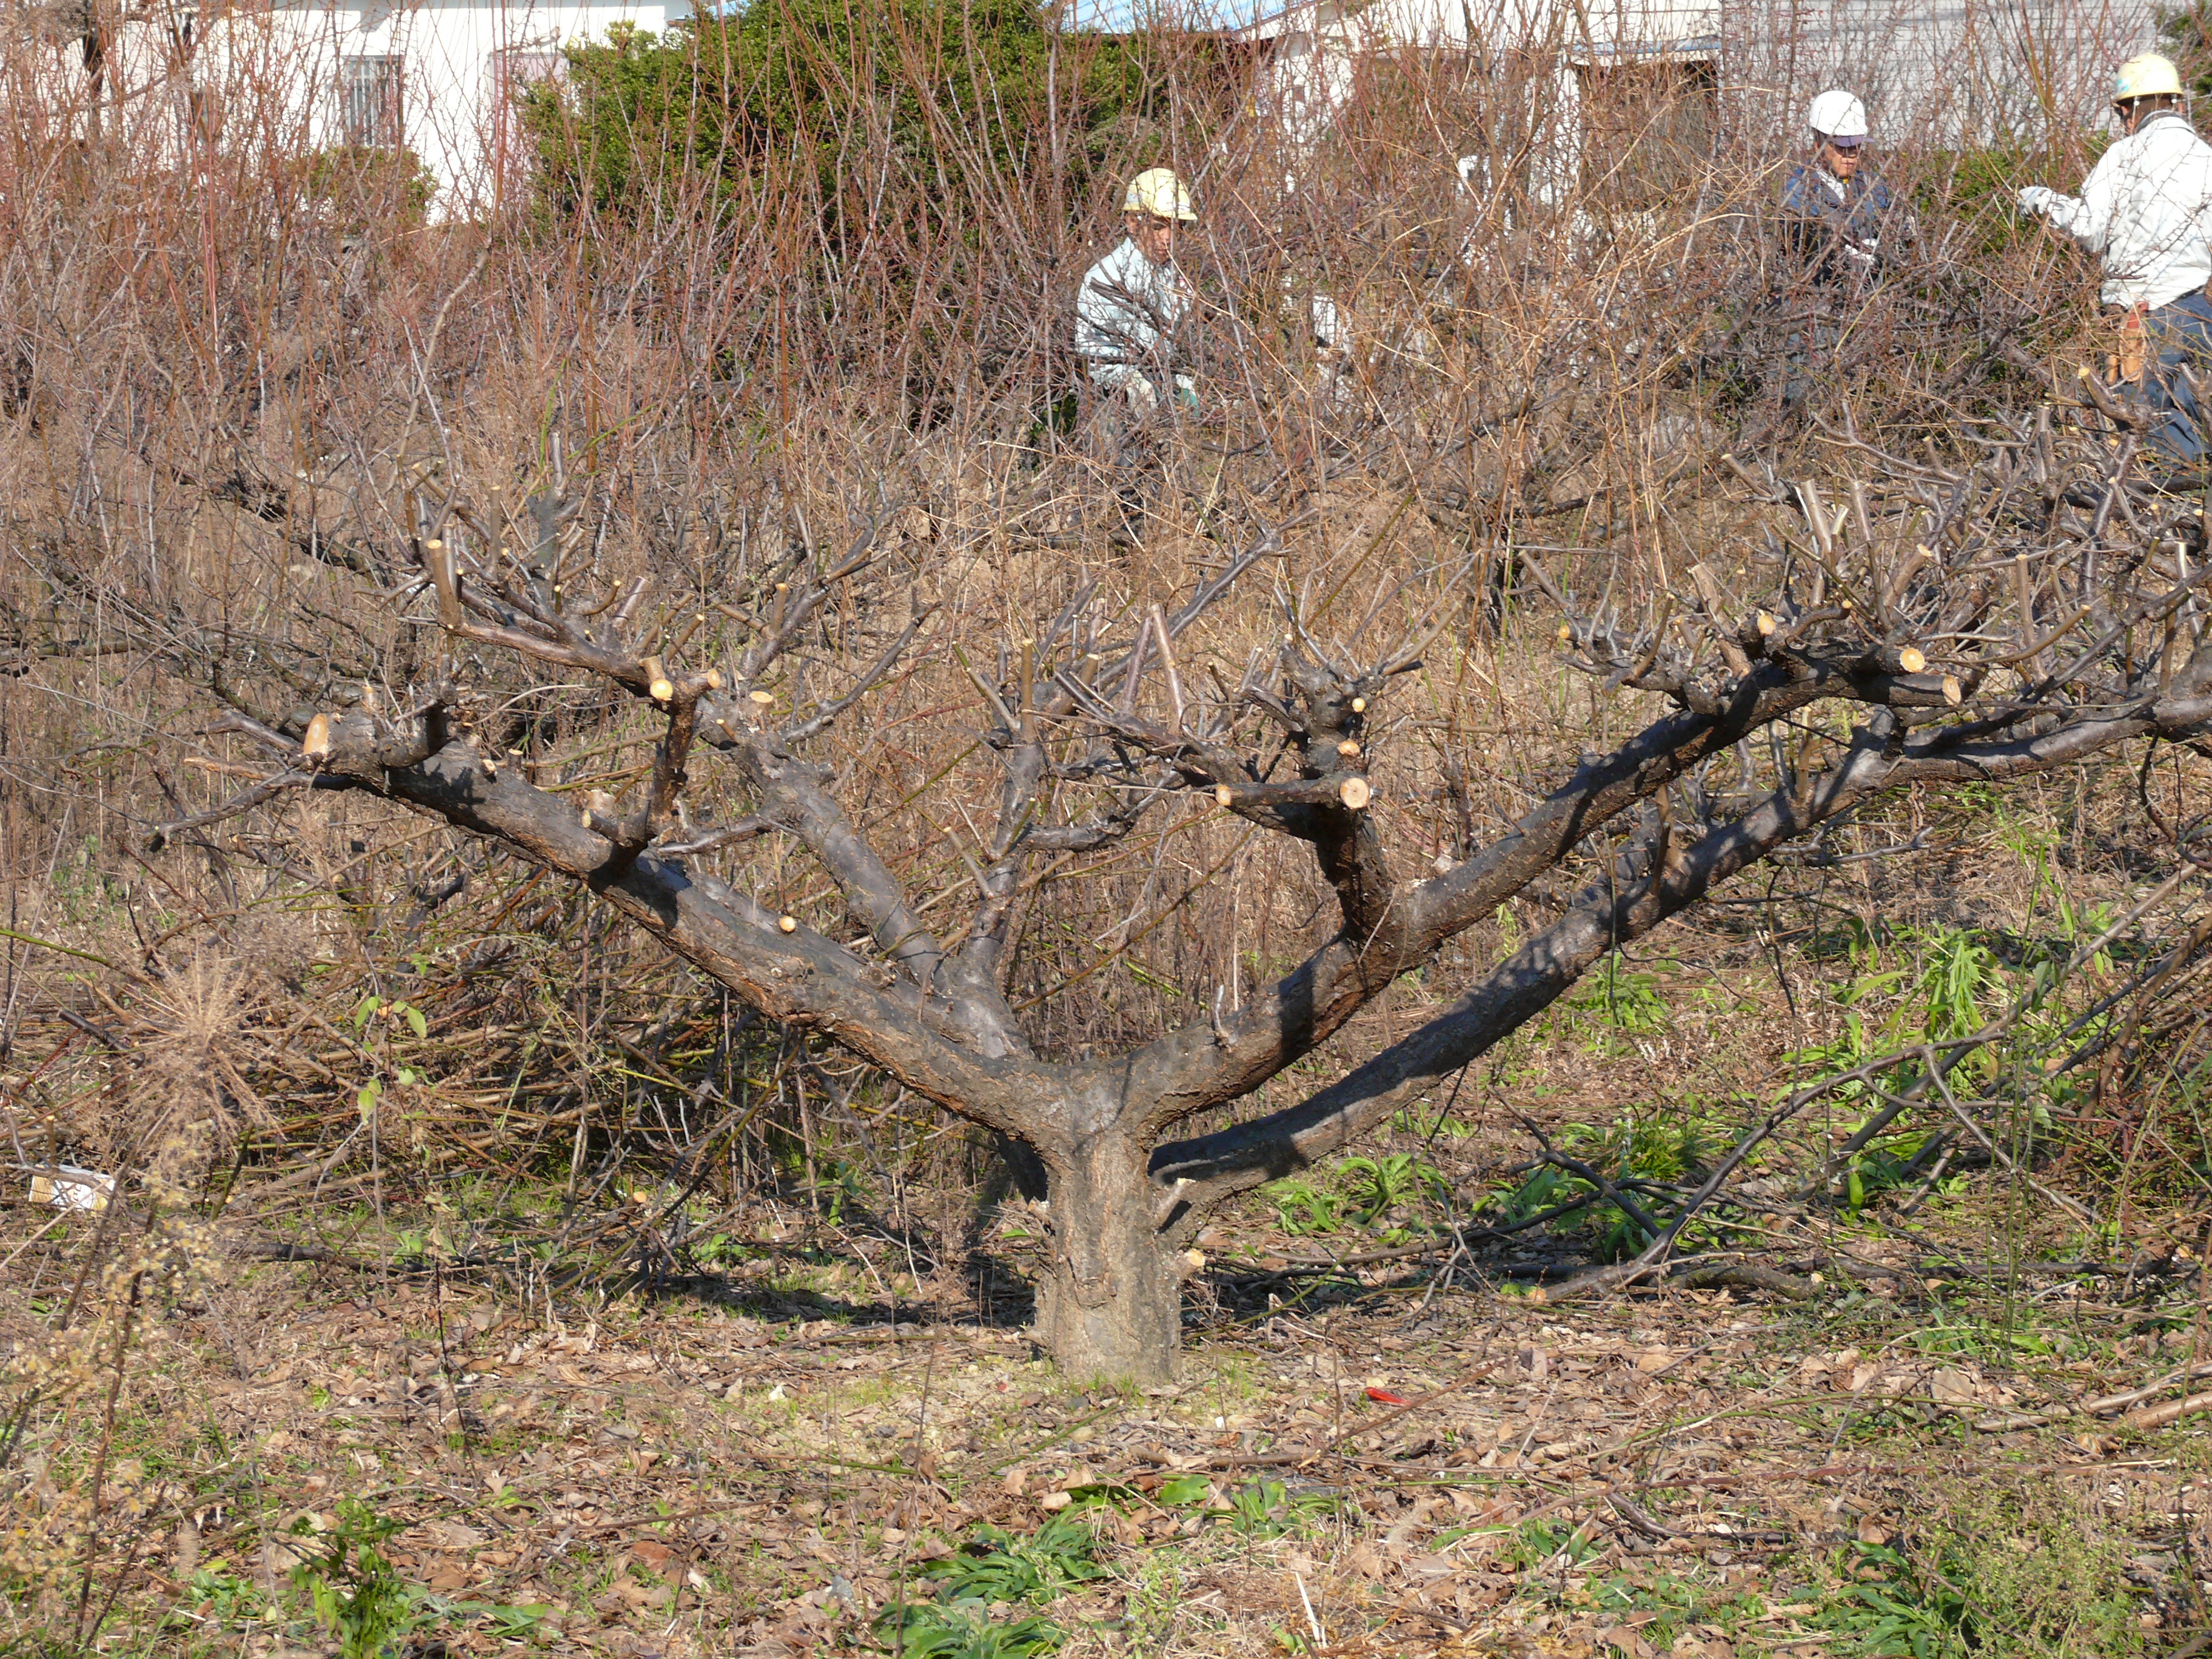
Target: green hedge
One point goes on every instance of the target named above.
(807, 90)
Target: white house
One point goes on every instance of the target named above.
(1940, 70)
(435, 77)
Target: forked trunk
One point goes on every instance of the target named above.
(1110, 1308)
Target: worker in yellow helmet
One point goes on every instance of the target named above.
(1134, 300)
(2146, 211)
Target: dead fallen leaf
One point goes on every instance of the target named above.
(1952, 1387)
(454, 1535)
(449, 1575)
(1366, 1561)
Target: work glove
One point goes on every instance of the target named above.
(2038, 199)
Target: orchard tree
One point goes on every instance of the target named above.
(1978, 623)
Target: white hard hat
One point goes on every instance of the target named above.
(2147, 76)
(1836, 114)
(1157, 191)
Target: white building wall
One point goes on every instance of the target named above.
(285, 71)
(1934, 71)
(1931, 70)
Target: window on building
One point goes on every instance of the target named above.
(369, 94)
(1647, 131)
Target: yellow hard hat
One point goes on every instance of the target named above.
(2147, 76)
(1157, 191)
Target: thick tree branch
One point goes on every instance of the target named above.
(798, 976)
(1630, 904)
(1201, 1068)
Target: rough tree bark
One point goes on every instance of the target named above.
(1993, 651)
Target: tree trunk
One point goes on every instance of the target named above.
(1110, 1308)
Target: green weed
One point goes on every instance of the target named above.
(1360, 1192)
(1376, 1186)
(1678, 1601)
(1618, 1006)
(966, 1631)
(1664, 1145)
(1263, 1509)
(995, 1569)
(1989, 1570)
(995, 1565)
(1302, 1209)
(355, 1595)
(219, 1597)
(1899, 1611)
(1535, 1542)
(1268, 1508)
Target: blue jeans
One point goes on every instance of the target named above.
(2181, 332)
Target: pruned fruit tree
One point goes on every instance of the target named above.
(1917, 621)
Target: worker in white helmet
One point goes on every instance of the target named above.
(1838, 212)
(2146, 211)
(1134, 301)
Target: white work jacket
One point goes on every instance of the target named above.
(2145, 210)
(1126, 317)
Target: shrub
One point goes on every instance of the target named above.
(897, 102)
(364, 184)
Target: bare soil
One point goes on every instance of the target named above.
(1700, 1471)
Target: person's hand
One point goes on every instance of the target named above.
(2038, 199)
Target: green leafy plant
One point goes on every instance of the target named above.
(355, 1595)
(1665, 1143)
(372, 1006)
(1268, 1508)
(735, 90)
(1182, 1491)
(1894, 1608)
(1546, 1189)
(991, 1569)
(1376, 1186)
(1619, 1003)
(995, 1565)
(965, 1631)
(222, 1597)
(1302, 1209)
(1535, 1542)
